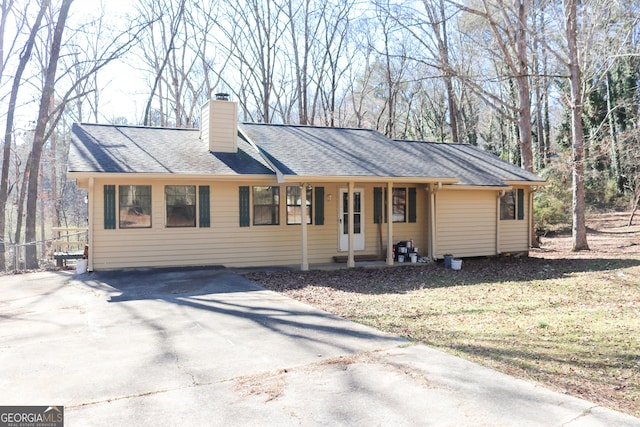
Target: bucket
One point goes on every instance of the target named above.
(456, 264)
(81, 266)
(414, 257)
(447, 260)
(400, 258)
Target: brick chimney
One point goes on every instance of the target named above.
(219, 124)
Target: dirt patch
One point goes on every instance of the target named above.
(269, 385)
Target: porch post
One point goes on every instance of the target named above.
(433, 188)
(303, 227)
(389, 223)
(500, 194)
(351, 262)
(90, 204)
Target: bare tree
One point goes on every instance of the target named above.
(25, 55)
(579, 229)
(438, 20)
(255, 31)
(39, 138)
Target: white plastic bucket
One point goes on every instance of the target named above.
(81, 266)
(400, 258)
(456, 264)
(414, 257)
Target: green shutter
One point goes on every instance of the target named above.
(205, 206)
(520, 203)
(412, 205)
(319, 206)
(377, 205)
(245, 208)
(109, 207)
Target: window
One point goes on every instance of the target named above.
(135, 206)
(266, 205)
(404, 205)
(399, 204)
(294, 205)
(508, 205)
(180, 202)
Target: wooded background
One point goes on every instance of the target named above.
(551, 86)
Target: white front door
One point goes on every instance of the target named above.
(358, 219)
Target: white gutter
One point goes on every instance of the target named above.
(431, 227)
(501, 193)
(92, 223)
(279, 174)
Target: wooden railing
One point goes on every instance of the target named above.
(69, 243)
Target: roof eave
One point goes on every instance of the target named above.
(529, 183)
(370, 179)
(172, 176)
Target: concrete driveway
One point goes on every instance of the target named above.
(207, 347)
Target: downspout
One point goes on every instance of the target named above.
(90, 205)
(279, 174)
(531, 230)
(303, 228)
(501, 193)
(389, 209)
(431, 227)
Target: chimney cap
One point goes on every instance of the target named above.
(221, 96)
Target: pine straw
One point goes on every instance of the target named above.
(570, 321)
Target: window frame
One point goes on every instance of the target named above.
(189, 208)
(395, 201)
(274, 206)
(298, 204)
(508, 208)
(135, 206)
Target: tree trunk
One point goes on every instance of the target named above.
(579, 229)
(39, 135)
(4, 180)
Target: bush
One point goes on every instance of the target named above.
(552, 203)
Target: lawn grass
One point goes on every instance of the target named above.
(578, 333)
(570, 324)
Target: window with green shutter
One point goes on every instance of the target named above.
(377, 205)
(204, 206)
(319, 206)
(520, 203)
(109, 207)
(412, 205)
(245, 207)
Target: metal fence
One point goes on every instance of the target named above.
(66, 240)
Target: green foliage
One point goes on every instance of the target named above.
(552, 203)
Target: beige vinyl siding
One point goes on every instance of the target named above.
(465, 223)
(514, 235)
(225, 242)
(219, 125)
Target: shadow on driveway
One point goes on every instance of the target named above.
(220, 291)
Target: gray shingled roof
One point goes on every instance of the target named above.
(322, 151)
(133, 149)
(472, 165)
(294, 150)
